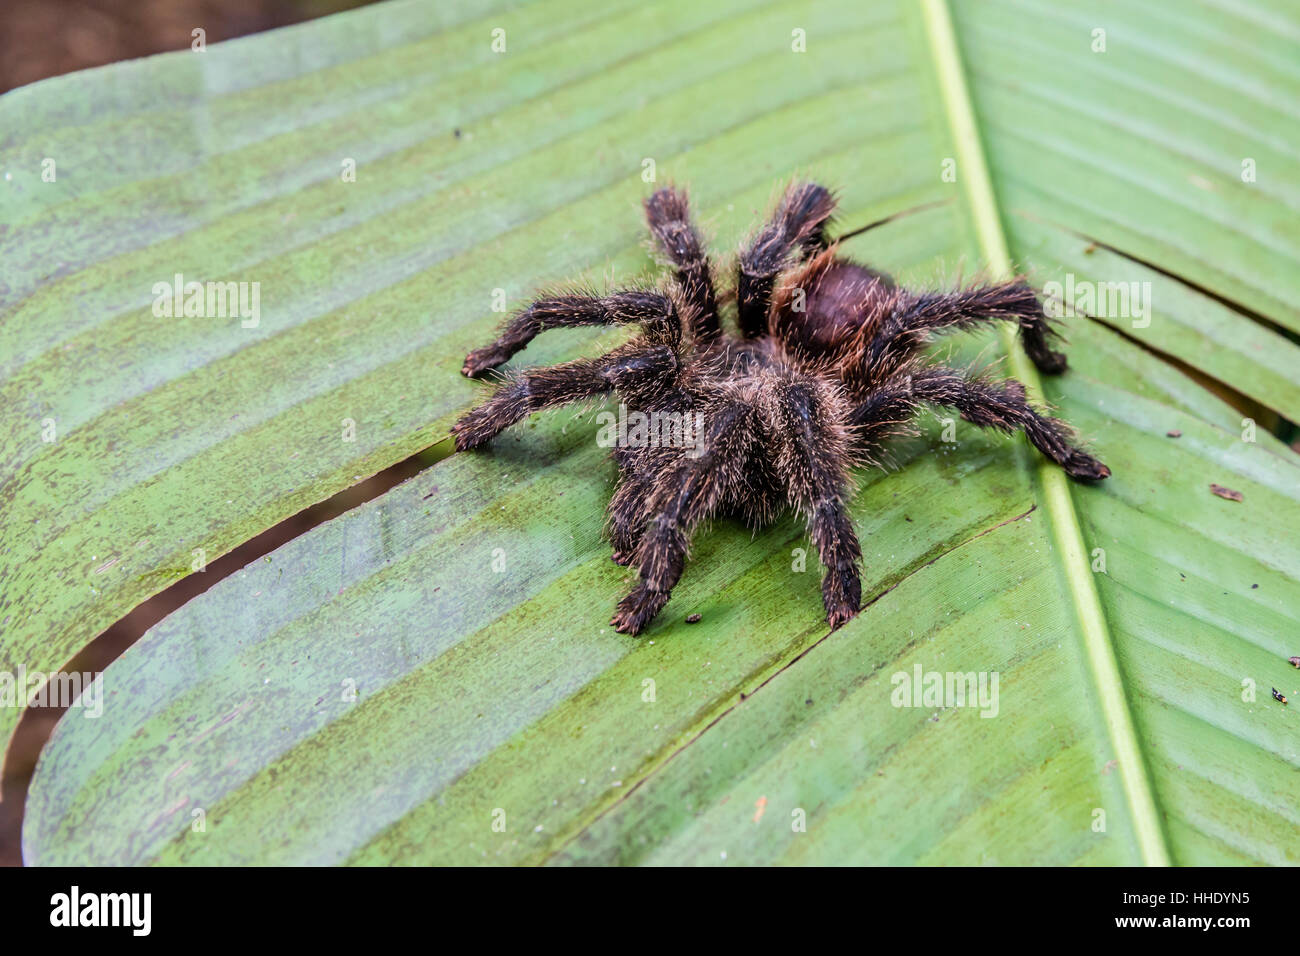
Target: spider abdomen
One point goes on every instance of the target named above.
(823, 304)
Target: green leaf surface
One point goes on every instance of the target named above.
(387, 686)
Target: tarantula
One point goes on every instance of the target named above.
(825, 368)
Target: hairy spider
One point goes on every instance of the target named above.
(825, 368)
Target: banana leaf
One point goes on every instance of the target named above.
(431, 677)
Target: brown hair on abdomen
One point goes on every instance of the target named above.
(838, 298)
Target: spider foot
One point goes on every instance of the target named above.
(840, 616)
(666, 205)
(623, 557)
(638, 609)
(474, 428)
(842, 596)
(1083, 467)
(483, 360)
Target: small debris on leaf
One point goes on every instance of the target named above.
(1295, 661)
(1228, 493)
(1174, 433)
(1277, 696)
(693, 619)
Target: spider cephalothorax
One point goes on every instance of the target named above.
(825, 368)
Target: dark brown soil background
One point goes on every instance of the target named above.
(40, 38)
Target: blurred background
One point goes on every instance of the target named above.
(42, 38)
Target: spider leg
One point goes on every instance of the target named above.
(668, 215)
(810, 445)
(638, 465)
(1000, 405)
(627, 512)
(655, 311)
(638, 364)
(685, 494)
(909, 325)
(797, 228)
